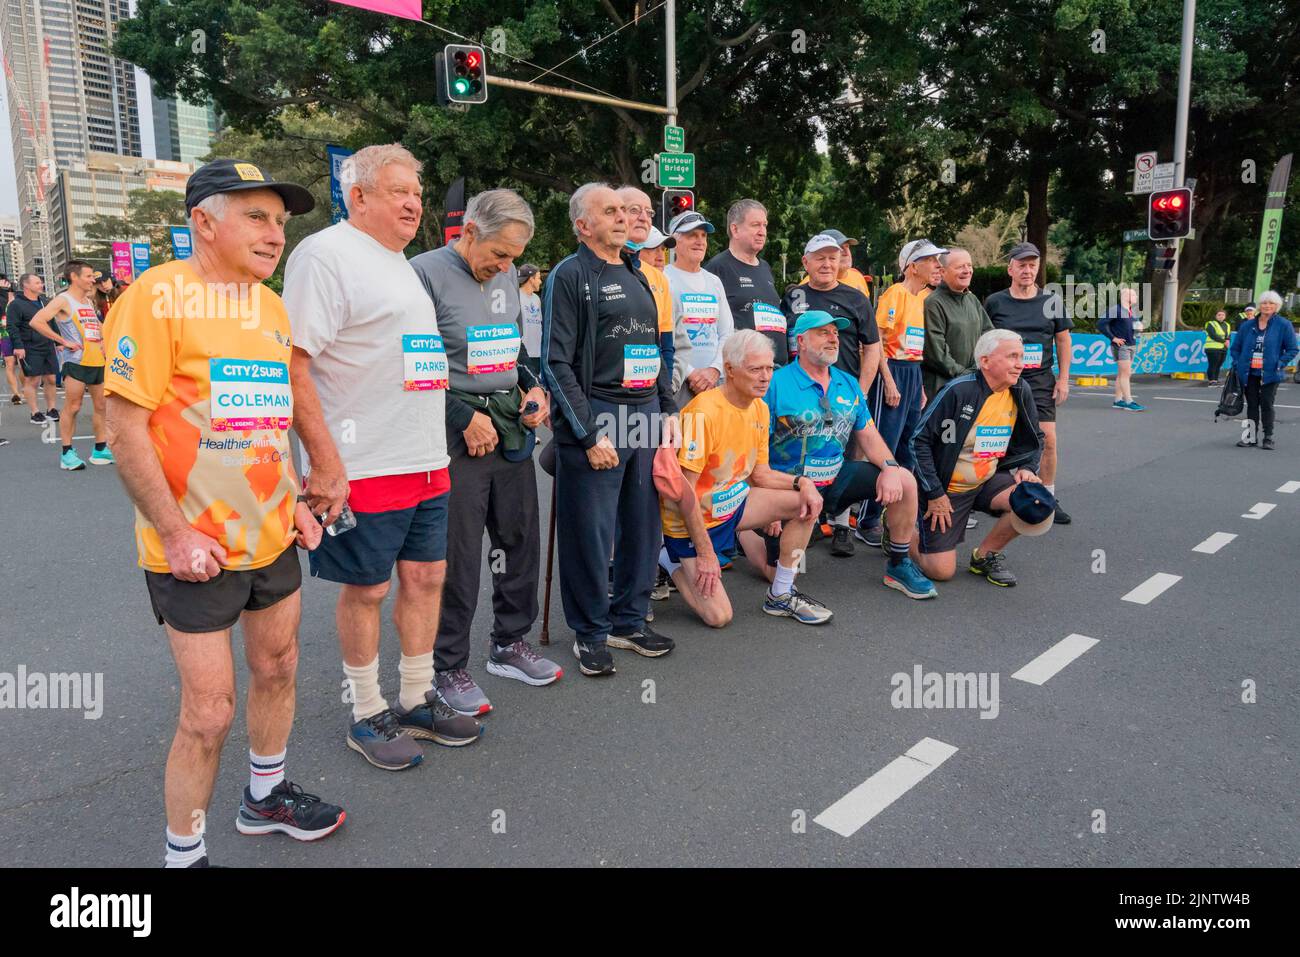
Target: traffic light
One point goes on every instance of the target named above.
(676, 201)
(1161, 258)
(462, 74)
(1170, 214)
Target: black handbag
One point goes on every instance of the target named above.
(1231, 400)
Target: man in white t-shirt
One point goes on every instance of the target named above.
(701, 314)
(369, 374)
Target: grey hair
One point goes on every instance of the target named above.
(943, 257)
(578, 203)
(215, 206)
(495, 209)
(1272, 297)
(363, 167)
(742, 208)
(989, 342)
(742, 342)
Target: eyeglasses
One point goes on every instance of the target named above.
(638, 210)
(828, 417)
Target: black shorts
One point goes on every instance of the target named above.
(1042, 382)
(40, 363)
(855, 482)
(365, 555)
(980, 499)
(216, 604)
(90, 375)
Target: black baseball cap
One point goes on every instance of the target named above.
(232, 176)
(1023, 251)
(527, 271)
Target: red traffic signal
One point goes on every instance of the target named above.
(676, 202)
(1169, 215)
(462, 74)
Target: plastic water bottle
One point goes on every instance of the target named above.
(344, 523)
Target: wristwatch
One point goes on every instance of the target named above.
(890, 463)
(795, 486)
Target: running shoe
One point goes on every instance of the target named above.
(70, 461)
(3, 441)
(37, 418)
(871, 535)
(841, 541)
(1134, 407)
(1061, 517)
(288, 809)
(908, 579)
(521, 661)
(971, 523)
(800, 607)
(102, 457)
(1267, 445)
(993, 567)
(663, 586)
(593, 660)
(644, 641)
(1119, 404)
(434, 721)
(52, 415)
(15, 399)
(461, 693)
(381, 741)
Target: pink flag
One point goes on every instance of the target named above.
(410, 9)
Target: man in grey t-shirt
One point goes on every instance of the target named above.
(475, 289)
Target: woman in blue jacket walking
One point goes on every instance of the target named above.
(1262, 347)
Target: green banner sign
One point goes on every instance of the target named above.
(1271, 230)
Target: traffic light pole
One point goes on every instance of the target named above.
(1169, 320)
(493, 80)
(670, 58)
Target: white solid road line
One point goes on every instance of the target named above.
(1054, 659)
(1259, 510)
(1289, 487)
(883, 788)
(1214, 543)
(1152, 588)
(1169, 398)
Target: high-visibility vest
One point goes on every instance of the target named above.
(1220, 328)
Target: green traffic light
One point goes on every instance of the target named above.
(461, 86)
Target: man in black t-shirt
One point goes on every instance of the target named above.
(751, 291)
(860, 342)
(31, 349)
(1039, 317)
(612, 395)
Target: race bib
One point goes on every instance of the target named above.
(1257, 359)
(424, 362)
(249, 394)
(914, 342)
(991, 441)
(640, 366)
(92, 329)
(492, 348)
(727, 501)
(1033, 355)
(768, 318)
(700, 314)
(822, 469)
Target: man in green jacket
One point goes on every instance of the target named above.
(954, 321)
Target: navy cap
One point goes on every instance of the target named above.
(1023, 251)
(232, 176)
(1033, 508)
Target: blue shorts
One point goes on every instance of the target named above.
(365, 555)
(722, 536)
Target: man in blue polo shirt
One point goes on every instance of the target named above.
(816, 410)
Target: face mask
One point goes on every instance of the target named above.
(634, 247)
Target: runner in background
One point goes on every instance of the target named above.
(1117, 326)
(530, 304)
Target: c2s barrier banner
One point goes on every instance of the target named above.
(1158, 353)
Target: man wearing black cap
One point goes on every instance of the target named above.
(199, 411)
(1040, 320)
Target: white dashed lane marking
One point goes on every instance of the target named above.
(1038, 671)
(1152, 588)
(883, 788)
(1289, 487)
(1259, 510)
(1170, 398)
(1214, 543)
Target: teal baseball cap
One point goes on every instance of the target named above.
(815, 318)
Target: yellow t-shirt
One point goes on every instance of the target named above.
(850, 277)
(985, 444)
(214, 370)
(900, 315)
(721, 444)
(89, 329)
(663, 297)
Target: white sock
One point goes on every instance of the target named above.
(367, 701)
(666, 563)
(417, 677)
(783, 580)
(184, 850)
(265, 771)
(842, 519)
(1052, 488)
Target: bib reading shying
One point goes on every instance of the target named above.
(424, 361)
(728, 500)
(768, 318)
(248, 394)
(492, 348)
(640, 366)
(991, 441)
(1033, 355)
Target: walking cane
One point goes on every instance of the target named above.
(550, 564)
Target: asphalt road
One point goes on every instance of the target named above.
(1140, 751)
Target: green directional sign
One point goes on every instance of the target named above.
(674, 139)
(677, 170)
(1134, 235)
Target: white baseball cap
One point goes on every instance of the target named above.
(917, 249)
(820, 241)
(657, 239)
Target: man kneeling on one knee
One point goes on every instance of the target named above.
(729, 486)
(978, 446)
